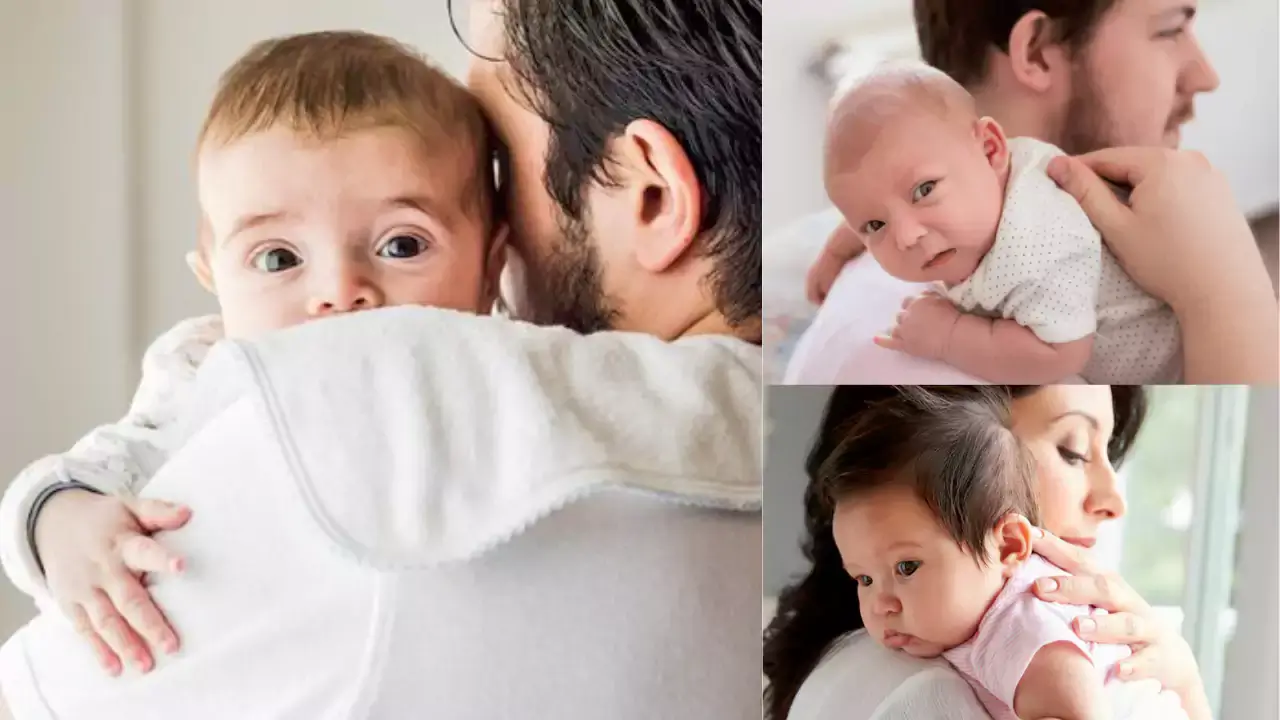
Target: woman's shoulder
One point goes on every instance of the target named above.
(861, 680)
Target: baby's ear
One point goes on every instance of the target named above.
(1013, 541)
(199, 265)
(495, 261)
(995, 146)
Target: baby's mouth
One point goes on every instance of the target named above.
(940, 259)
(896, 640)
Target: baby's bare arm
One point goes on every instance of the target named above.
(1060, 683)
(1003, 351)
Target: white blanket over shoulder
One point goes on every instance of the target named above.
(418, 514)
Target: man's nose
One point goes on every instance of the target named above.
(1198, 76)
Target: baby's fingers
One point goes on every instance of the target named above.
(145, 555)
(139, 609)
(107, 658)
(117, 633)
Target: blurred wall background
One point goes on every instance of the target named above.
(102, 101)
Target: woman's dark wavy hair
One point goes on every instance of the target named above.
(823, 605)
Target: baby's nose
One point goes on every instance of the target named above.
(343, 295)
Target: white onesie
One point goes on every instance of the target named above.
(1049, 271)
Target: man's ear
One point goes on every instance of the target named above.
(1035, 55)
(495, 261)
(995, 146)
(660, 193)
(1013, 541)
(198, 261)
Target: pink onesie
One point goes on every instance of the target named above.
(1014, 628)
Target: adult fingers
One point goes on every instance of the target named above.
(138, 608)
(1121, 628)
(1125, 165)
(1099, 202)
(107, 657)
(1103, 590)
(1144, 664)
(1071, 558)
(121, 638)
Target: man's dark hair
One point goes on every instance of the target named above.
(591, 67)
(956, 35)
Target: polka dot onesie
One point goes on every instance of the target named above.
(1049, 271)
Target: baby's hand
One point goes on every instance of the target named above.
(923, 327)
(95, 550)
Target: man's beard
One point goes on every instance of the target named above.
(1087, 126)
(566, 286)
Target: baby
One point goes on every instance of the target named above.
(933, 504)
(1026, 291)
(337, 172)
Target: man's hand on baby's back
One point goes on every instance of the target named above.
(923, 327)
(96, 550)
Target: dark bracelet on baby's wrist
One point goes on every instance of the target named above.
(41, 500)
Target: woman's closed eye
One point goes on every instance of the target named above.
(1072, 457)
(402, 246)
(907, 568)
(275, 260)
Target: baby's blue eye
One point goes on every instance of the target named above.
(402, 247)
(276, 260)
(907, 568)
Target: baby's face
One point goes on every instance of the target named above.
(924, 197)
(299, 229)
(918, 591)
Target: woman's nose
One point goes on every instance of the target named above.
(1104, 497)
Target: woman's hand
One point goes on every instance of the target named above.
(1158, 651)
(1182, 239)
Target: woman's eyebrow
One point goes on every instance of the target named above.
(1078, 413)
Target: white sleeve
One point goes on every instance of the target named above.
(116, 459)
(929, 695)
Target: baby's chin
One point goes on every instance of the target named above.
(923, 651)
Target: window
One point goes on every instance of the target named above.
(1176, 545)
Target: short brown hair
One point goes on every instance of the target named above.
(326, 84)
(956, 35)
(954, 446)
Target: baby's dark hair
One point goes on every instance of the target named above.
(954, 446)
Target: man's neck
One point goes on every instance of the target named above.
(1016, 118)
(714, 323)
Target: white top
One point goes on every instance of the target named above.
(862, 680)
(500, 526)
(1049, 271)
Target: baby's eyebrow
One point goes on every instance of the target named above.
(248, 222)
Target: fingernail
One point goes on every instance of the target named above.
(1037, 532)
(1087, 626)
(1126, 670)
(1047, 584)
(178, 564)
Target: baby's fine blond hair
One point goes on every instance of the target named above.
(323, 85)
